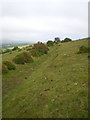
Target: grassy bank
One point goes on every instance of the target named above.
(55, 85)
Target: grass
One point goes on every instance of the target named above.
(55, 85)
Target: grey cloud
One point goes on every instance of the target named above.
(43, 20)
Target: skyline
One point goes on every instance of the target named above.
(37, 20)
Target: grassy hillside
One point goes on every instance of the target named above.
(55, 85)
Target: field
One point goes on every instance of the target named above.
(55, 85)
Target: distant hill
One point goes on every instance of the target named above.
(12, 44)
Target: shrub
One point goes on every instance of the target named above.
(67, 40)
(9, 65)
(23, 58)
(84, 49)
(50, 43)
(15, 48)
(39, 49)
(35, 53)
(4, 69)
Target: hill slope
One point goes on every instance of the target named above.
(54, 86)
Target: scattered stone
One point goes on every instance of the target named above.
(75, 83)
(53, 100)
(31, 68)
(57, 110)
(56, 96)
(83, 85)
(46, 106)
(45, 78)
(33, 93)
(41, 94)
(51, 112)
(24, 111)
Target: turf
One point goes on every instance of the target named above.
(55, 85)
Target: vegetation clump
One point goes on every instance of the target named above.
(9, 65)
(6, 51)
(39, 49)
(50, 43)
(23, 58)
(84, 49)
(67, 40)
(15, 48)
(4, 69)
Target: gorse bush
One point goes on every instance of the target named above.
(66, 40)
(50, 43)
(9, 65)
(23, 58)
(4, 69)
(84, 49)
(39, 49)
(35, 53)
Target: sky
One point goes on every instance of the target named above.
(43, 20)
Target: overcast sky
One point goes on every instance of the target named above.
(42, 20)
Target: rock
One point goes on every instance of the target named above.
(31, 68)
(45, 78)
(41, 94)
(46, 106)
(75, 83)
(57, 110)
(53, 100)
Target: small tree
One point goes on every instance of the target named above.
(57, 39)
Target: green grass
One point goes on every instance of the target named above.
(55, 85)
